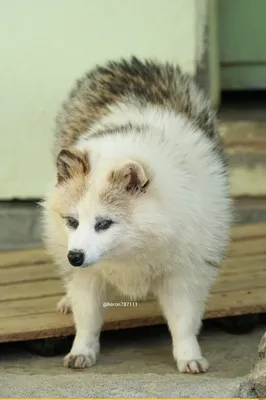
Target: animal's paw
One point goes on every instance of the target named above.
(63, 306)
(80, 361)
(193, 366)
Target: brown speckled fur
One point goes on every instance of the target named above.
(139, 82)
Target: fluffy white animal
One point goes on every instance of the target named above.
(141, 201)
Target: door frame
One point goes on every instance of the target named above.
(208, 70)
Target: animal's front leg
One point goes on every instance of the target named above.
(182, 303)
(64, 306)
(86, 294)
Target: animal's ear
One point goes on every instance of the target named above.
(131, 175)
(70, 163)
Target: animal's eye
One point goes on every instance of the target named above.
(72, 222)
(103, 224)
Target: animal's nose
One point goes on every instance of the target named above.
(76, 257)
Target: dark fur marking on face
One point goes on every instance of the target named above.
(102, 224)
(71, 222)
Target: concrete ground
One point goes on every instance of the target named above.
(134, 363)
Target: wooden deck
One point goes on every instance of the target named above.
(29, 291)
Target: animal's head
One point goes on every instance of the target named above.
(108, 210)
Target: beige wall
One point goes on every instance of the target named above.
(45, 45)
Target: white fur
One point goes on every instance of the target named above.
(174, 230)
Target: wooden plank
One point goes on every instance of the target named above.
(27, 307)
(241, 265)
(248, 231)
(23, 257)
(51, 324)
(247, 247)
(41, 301)
(31, 273)
(43, 281)
(240, 302)
(29, 291)
(245, 148)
